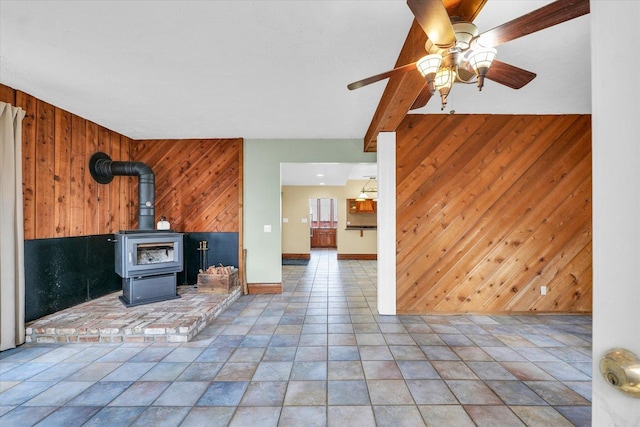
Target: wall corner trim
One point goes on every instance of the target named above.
(387, 223)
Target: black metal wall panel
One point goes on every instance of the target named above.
(63, 272)
(223, 249)
(101, 274)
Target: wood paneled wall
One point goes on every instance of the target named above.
(198, 182)
(61, 199)
(7, 94)
(491, 208)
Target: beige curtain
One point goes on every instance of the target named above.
(11, 228)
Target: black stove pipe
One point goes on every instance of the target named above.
(103, 169)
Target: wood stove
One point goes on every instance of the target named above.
(148, 262)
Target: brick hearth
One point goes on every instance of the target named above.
(106, 319)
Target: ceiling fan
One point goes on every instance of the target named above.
(458, 53)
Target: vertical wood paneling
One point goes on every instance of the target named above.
(62, 176)
(45, 166)
(198, 182)
(116, 184)
(29, 162)
(7, 94)
(490, 208)
(61, 199)
(102, 194)
(91, 198)
(77, 166)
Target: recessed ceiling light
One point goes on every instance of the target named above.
(320, 175)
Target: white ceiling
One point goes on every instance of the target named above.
(336, 174)
(258, 69)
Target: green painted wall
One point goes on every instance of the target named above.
(262, 158)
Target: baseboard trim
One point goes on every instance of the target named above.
(358, 257)
(492, 313)
(296, 256)
(264, 288)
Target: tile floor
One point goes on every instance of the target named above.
(316, 355)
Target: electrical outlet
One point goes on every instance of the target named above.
(543, 290)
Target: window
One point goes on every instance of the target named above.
(324, 213)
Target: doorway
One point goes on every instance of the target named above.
(323, 222)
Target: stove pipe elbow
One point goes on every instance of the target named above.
(103, 169)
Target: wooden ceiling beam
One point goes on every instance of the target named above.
(403, 89)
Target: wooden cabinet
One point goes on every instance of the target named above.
(323, 238)
(361, 206)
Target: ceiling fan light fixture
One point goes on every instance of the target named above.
(443, 82)
(444, 92)
(463, 50)
(428, 67)
(465, 33)
(480, 60)
(445, 77)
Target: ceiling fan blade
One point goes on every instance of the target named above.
(466, 10)
(381, 76)
(547, 16)
(508, 75)
(422, 99)
(434, 20)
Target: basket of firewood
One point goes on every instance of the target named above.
(220, 280)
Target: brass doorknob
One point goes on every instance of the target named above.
(621, 369)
